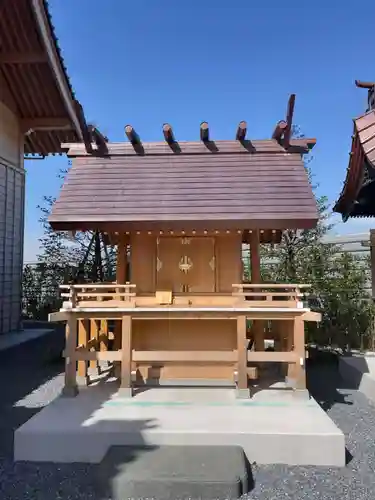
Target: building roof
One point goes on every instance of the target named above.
(209, 184)
(357, 198)
(33, 79)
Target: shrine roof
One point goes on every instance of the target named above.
(208, 184)
(357, 196)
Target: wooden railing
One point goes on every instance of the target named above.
(123, 295)
(98, 292)
(270, 294)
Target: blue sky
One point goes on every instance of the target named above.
(149, 62)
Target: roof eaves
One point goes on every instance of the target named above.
(352, 183)
(49, 39)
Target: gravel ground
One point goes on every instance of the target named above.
(27, 378)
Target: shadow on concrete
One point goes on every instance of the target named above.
(23, 369)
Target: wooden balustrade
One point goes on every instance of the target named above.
(87, 331)
(99, 292)
(270, 294)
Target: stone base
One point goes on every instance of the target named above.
(125, 392)
(271, 427)
(69, 392)
(204, 472)
(358, 371)
(243, 393)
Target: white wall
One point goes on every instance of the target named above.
(12, 200)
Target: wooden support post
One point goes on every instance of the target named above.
(94, 335)
(83, 337)
(258, 325)
(121, 266)
(103, 344)
(299, 347)
(126, 356)
(242, 383)
(70, 385)
(289, 345)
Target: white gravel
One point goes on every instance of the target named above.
(28, 383)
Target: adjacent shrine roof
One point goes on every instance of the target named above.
(33, 79)
(170, 185)
(357, 198)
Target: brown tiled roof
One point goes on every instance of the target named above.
(26, 70)
(224, 184)
(362, 161)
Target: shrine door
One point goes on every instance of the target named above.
(186, 264)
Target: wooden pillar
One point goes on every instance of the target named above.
(94, 336)
(83, 337)
(242, 382)
(289, 346)
(70, 384)
(103, 343)
(121, 266)
(299, 348)
(255, 256)
(126, 356)
(258, 326)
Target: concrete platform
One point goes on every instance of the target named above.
(358, 371)
(272, 427)
(193, 472)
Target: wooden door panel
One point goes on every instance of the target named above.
(167, 265)
(186, 264)
(201, 276)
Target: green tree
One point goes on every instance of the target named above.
(339, 281)
(60, 256)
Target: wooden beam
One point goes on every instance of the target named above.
(310, 143)
(364, 85)
(49, 123)
(84, 355)
(241, 131)
(184, 356)
(312, 316)
(168, 133)
(15, 57)
(99, 139)
(204, 132)
(289, 120)
(132, 135)
(279, 130)
(269, 356)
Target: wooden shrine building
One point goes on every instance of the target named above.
(179, 213)
(357, 198)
